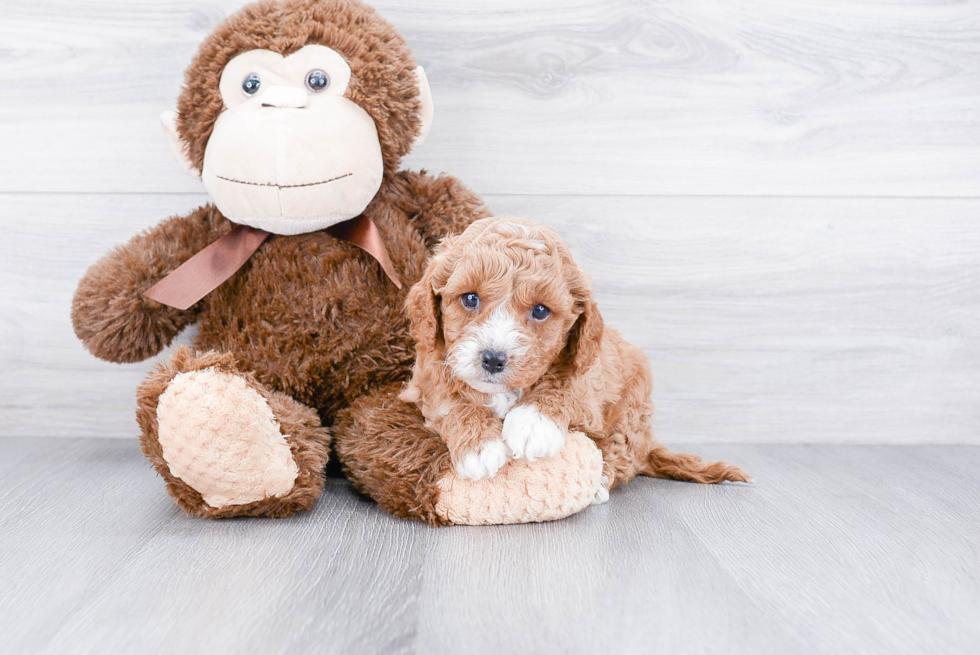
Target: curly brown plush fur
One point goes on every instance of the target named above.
(391, 457)
(309, 322)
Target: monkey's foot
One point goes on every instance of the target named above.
(226, 445)
(525, 491)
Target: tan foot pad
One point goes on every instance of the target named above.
(526, 492)
(220, 437)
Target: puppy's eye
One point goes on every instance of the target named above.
(251, 84)
(540, 313)
(470, 300)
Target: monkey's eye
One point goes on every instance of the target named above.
(317, 80)
(540, 313)
(470, 301)
(251, 84)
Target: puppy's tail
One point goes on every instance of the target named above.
(665, 463)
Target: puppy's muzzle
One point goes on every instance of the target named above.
(493, 361)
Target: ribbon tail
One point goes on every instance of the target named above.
(205, 271)
(363, 233)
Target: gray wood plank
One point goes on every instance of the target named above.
(855, 549)
(345, 573)
(71, 516)
(628, 577)
(789, 319)
(93, 554)
(612, 97)
(766, 319)
(835, 549)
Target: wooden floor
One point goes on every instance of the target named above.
(835, 549)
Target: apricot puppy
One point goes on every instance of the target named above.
(512, 353)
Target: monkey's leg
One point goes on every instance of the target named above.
(391, 456)
(225, 444)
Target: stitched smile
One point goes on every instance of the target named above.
(283, 186)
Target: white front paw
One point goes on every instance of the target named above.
(531, 435)
(485, 462)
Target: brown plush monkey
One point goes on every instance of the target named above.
(296, 115)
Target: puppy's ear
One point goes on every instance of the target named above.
(422, 307)
(585, 337)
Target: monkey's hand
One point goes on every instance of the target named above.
(437, 205)
(109, 313)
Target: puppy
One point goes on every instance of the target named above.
(512, 354)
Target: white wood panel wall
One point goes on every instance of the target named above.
(779, 201)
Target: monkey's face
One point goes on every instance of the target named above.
(293, 112)
(290, 154)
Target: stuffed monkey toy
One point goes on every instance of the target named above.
(296, 115)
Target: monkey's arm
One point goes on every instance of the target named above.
(437, 205)
(110, 315)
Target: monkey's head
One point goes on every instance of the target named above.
(293, 112)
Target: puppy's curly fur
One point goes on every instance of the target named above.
(512, 353)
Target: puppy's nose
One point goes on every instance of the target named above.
(493, 361)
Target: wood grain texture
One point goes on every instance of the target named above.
(766, 319)
(801, 319)
(721, 97)
(835, 549)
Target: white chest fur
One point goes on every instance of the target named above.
(501, 403)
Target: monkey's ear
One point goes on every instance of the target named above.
(427, 110)
(169, 121)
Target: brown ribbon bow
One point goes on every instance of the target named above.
(205, 271)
